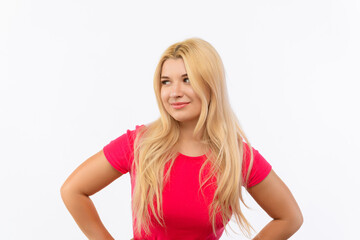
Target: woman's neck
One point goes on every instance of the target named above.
(189, 144)
(186, 133)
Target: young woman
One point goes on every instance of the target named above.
(188, 167)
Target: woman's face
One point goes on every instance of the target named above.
(177, 95)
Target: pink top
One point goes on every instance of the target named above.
(184, 207)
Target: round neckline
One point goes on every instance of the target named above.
(192, 156)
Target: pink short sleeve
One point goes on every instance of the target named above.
(260, 169)
(119, 152)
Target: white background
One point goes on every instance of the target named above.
(77, 74)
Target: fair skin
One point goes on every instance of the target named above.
(277, 201)
(96, 172)
(175, 87)
(90, 177)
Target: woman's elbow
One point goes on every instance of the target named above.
(300, 220)
(67, 192)
(296, 221)
(64, 192)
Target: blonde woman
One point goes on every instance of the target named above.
(188, 167)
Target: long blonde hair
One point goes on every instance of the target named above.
(222, 134)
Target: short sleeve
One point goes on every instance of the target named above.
(260, 168)
(119, 152)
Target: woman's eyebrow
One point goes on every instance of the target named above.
(184, 75)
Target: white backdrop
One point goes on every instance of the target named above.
(77, 74)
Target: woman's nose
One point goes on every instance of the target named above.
(176, 90)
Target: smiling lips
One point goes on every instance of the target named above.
(179, 105)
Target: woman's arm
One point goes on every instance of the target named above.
(276, 199)
(90, 177)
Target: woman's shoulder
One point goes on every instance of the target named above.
(139, 129)
(133, 132)
(142, 126)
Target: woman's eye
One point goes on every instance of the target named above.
(165, 82)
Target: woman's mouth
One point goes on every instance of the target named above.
(179, 105)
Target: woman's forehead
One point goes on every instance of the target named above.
(173, 67)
